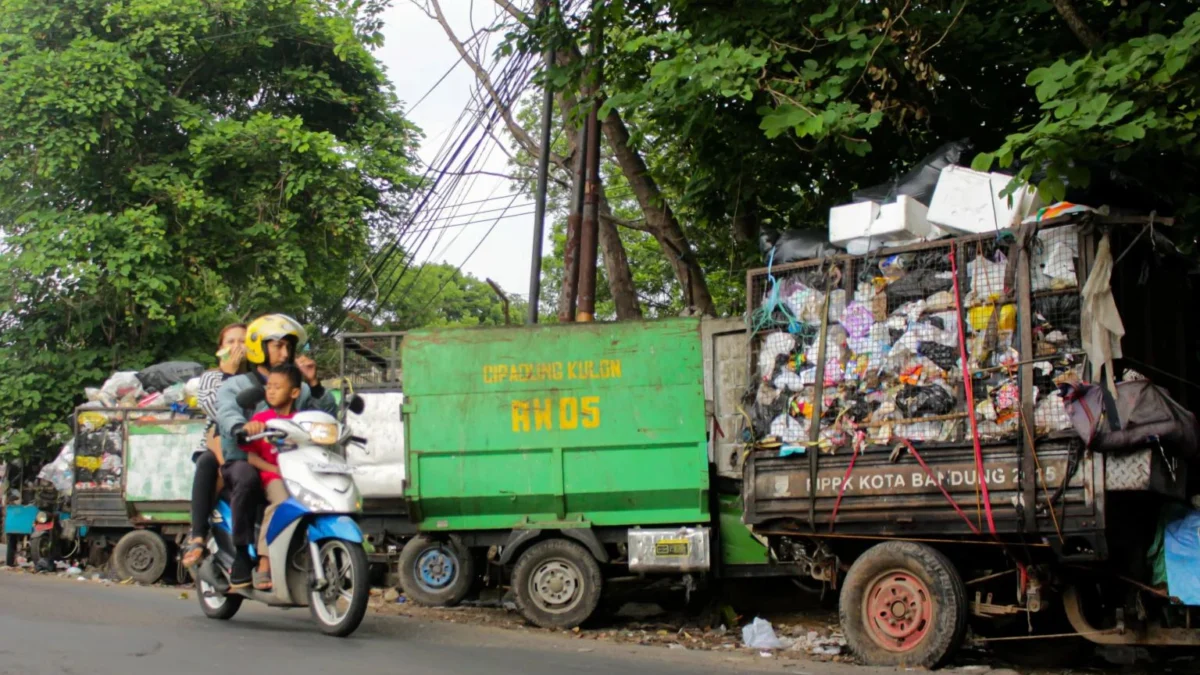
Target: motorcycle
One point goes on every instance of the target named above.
(315, 547)
(53, 535)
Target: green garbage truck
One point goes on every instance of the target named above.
(558, 457)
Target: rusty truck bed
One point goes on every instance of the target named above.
(882, 497)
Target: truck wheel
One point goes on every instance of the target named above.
(10, 550)
(436, 573)
(140, 555)
(558, 584)
(903, 604)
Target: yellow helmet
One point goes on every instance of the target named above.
(272, 327)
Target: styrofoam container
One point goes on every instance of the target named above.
(902, 220)
(969, 202)
(851, 221)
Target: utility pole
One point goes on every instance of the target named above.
(570, 284)
(589, 238)
(539, 216)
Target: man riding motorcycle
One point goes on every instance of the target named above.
(271, 340)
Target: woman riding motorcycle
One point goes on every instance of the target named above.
(271, 340)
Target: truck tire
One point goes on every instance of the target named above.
(903, 605)
(558, 584)
(436, 573)
(10, 550)
(140, 555)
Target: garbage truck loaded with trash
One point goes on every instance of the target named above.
(558, 458)
(126, 474)
(986, 431)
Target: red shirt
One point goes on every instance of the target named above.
(264, 448)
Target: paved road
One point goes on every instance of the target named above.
(51, 625)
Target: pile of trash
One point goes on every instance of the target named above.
(94, 458)
(894, 345)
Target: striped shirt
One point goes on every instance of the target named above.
(210, 382)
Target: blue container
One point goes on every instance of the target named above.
(19, 519)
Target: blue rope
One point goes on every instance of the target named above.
(764, 317)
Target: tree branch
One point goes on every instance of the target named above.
(640, 226)
(514, 12)
(481, 75)
(1066, 9)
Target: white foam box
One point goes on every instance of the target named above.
(901, 220)
(966, 201)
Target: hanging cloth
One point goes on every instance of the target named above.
(1101, 323)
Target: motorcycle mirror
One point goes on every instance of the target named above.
(357, 405)
(249, 398)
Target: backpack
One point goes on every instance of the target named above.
(1141, 416)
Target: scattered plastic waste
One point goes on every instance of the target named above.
(759, 634)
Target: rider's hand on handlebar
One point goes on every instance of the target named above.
(254, 428)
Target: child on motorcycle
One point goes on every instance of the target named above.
(282, 391)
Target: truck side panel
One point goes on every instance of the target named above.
(550, 425)
(890, 498)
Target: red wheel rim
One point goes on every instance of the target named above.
(898, 610)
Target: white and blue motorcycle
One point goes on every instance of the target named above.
(314, 544)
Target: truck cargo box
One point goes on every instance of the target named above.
(556, 426)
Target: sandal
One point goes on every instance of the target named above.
(194, 552)
(262, 581)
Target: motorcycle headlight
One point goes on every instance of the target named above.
(311, 500)
(322, 433)
(43, 517)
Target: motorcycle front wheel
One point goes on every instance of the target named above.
(339, 607)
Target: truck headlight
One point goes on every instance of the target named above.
(42, 517)
(311, 500)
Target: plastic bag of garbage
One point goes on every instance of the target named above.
(788, 429)
(933, 399)
(759, 634)
(794, 245)
(789, 381)
(173, 394)
(60, 472)
(920, 181)
(773, 346)
(161, 376)
(122, 386)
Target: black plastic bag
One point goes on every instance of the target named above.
(920, 181)
(162, 376)
(795, 245)
(945, 357)
(917, 285)
(928, 400)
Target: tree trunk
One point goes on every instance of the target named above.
(616, 266)
(659, 218)
(1066, 9)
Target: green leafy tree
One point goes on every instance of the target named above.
(762, 114)
(441, 295)
(166, 165)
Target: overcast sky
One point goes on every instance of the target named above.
(417, 53)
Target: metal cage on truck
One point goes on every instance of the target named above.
(922, 528)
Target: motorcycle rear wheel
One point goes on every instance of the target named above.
(216, 606)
